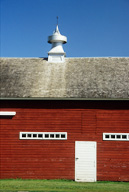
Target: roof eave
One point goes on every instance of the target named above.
(63, 98)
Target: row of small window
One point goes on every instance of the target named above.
(63, 136)
(44, 135)
(116, 136)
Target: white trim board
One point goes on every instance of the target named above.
(7, 113)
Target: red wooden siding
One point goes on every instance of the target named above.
(53, 159)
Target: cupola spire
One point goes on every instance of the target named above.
(56, 54)
(57, 20)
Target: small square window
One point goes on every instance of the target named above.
(46, 135)
(51, 135)
(57, 136)
(34, 135)
(107, 136)
(23, 135)
(40, 135)
(124, 136)
(62, 135)
(112, 136)
(28, 135)
(118, 136)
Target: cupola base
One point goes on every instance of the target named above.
(56, 58)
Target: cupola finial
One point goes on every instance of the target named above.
(57, 29)
(57, 19)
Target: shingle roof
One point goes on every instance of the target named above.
(76, 78)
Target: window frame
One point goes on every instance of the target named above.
(43, 137)
(115, 137)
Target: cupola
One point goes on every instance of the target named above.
(57, 54)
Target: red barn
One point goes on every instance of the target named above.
(65, 120)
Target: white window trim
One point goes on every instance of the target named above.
(43, 135)
(7, 113)
(116, 139)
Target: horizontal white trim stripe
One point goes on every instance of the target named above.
(4, 113)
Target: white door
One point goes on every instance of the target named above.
(85, 161)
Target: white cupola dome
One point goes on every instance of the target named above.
(56, 54)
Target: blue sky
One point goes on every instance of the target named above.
(94, 28)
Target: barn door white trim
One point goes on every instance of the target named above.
(85, 161)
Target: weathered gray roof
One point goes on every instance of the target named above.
(76, 78)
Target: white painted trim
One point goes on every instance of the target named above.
(43, 137)
(7, 113)
(116, 136)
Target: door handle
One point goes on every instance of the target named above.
(76, 158)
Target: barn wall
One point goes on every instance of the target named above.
(52, 159)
